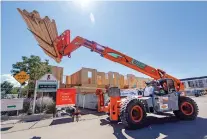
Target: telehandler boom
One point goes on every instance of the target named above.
(130, 110)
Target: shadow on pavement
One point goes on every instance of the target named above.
(167, 128)
(86, 111)
(6, 128)
(35, 137)
(61, 121)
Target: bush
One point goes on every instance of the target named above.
(26, 104)
(45, 104)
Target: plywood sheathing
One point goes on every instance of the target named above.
(106, 78)
(101, 78)
(58, 73)
(132, 81)
(44, 30)
(114, 79)
(86, 90)
(88, 77)
(141, 82)
(82, 77)
(68, 80)
(76, 78)
(121, 81)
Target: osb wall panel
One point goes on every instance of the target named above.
(132, 81)
(86, 80)
(114, 79)
(126, 82)
(68, 79)
(76, 77)
(57, 72)
(101, 78)
(141, 82)
(121, 81)
(106, 78)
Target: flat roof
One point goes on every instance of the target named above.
(193, 78)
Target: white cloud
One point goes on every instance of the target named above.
(92, 18)
(9, 78)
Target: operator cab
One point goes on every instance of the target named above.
(160, 87)
(167, 85)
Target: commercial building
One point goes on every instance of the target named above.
(198, 83)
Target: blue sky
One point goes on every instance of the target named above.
(168, 35)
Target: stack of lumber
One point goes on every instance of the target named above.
(44, 31)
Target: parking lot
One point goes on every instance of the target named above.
(94, 126)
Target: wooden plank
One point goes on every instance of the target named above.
(48, 25)
(121, 80)
(85, 75)
(27, 21)
(89, 85)
(68, 79)
(101, 78)
(101, 86)
(88, 89)
(31, 25)
(55, 28)
(114, 79)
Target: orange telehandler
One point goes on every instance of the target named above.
(130, 110)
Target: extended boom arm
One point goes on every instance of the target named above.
(55, 46)
(65, 48)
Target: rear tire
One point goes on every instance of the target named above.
(132, 113)
(188, 109)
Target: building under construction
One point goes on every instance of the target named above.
(91, 78)
(87, 80)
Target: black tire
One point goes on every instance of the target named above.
(193, 109)
(126, 113)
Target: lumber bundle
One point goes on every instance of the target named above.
(44, 31)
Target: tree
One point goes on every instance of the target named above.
(33, 66)
(6, 88)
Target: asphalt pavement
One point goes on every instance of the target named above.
(96, 126)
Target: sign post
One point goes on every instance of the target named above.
(21, 77)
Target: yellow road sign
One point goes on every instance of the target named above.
(21, 77)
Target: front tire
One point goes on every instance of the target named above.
(188, 109)
(132, 113)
